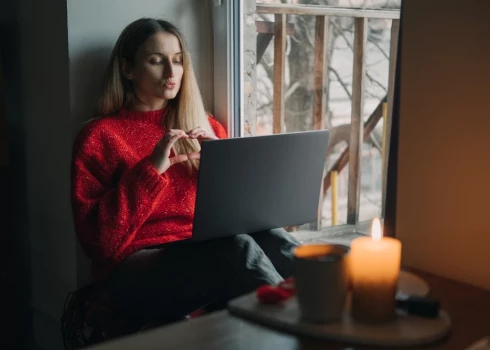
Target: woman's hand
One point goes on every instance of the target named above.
(200, 135)
(160, 157)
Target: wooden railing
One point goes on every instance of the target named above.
(279, 30)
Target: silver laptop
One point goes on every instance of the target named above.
(256, 183)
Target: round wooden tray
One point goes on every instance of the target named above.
(406, 330)
(409, 283)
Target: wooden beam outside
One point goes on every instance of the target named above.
(268, 27)
(265, 33)
(320, 72)
(279, 72)
(319, 95)
(263, 40)
(321, 10)
(357, 123)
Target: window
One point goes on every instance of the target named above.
(324, 64)
(228, 84)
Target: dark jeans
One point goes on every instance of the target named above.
(177, 279)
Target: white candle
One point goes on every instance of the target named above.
(374, 271)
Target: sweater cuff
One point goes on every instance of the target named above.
(149, 180)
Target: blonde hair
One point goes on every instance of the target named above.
(186, 111)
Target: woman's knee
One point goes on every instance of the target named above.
(276, 236)
(245, 249)
(237, 250)
(249, 261)
(243, 241)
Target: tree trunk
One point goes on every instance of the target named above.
(298, 105)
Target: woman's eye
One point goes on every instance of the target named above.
(177, 62)
(156, 62)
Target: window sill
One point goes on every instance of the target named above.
(340, 234)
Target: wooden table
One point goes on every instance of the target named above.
(469, 308)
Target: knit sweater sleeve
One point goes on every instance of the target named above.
(107, 215)
(218, 129)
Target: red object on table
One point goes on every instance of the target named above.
(268, 294)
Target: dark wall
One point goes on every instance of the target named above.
(47, 54)
(15, 319)
(444, 138)
(34, 54)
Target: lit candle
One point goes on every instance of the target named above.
(375, 267)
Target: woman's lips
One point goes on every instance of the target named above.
(169, 85)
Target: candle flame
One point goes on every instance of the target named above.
(376, 233)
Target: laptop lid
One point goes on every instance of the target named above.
(256, 183)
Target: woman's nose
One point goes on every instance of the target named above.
(169, 72)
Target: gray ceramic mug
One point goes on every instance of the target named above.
(321, 280)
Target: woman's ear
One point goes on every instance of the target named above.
(126, 69)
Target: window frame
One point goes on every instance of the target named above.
(228, 64)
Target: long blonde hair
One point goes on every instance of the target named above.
(186, 111)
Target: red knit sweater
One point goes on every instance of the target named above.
(120, 202)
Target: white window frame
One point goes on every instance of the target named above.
(228, 64)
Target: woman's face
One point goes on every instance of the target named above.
(157, 70)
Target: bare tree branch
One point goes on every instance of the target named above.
(291, 89)
(296, 113)
(296, 32)
(370, 200)
(339, 79)
(380, 49)
(374, 63)
(376, 82)
(266, 94)
(287, 94)
(369, 76)
(307, 32)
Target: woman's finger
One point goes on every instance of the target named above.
(207, 136)
(174, 139)
(176, 130)
(178, 159)
(194, 136)
(170, 134)
(184, 157)
(199, 134)
(194, 155)
(194, 130)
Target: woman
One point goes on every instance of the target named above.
(134, 179)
